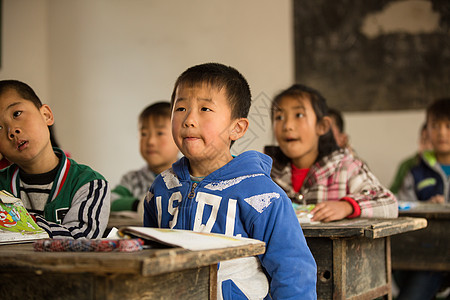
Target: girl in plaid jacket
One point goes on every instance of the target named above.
(312, 169)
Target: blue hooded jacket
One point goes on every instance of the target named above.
(239, 199)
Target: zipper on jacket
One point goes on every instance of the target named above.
(301, 199)
(192, 193)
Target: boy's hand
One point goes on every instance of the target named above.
(437, 199)
(331, 211)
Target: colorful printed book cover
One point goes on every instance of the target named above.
(16, 224)
(303, 212)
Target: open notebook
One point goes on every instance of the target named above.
(187, 239)
(16, 224)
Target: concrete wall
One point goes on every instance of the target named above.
(25, 45)
(98, 63)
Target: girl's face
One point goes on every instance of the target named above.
(297, 131)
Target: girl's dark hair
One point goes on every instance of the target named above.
(327, 143)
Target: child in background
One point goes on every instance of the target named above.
(312, 169)
(158, 150)
(209, 190)
(337, 127)
(66, 199)
(406, 165)
(428, 181)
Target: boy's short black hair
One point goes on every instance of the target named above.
(219, 76)
(336, 115)
(159, 109)
(23, 89)
(439, 110)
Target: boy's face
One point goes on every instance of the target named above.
(202, 126)
(156, 143)
(439, 135)
(24, 134)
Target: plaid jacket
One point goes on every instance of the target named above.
(334, 177)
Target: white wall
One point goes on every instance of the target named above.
(98, 63)
(383, 139)
(109, 59)
(25, 44)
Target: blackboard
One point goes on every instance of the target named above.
(393, 70)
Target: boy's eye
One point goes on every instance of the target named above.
(278, 118)
(16, 114)
(206, 109)
(299, 115)
(180, 109)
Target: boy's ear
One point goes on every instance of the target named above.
(239, 128)
(47, 114)
(323, 126)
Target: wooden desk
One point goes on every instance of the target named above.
(120, 219)
(169, 273)
(124, 218)
(353, 256)
(426, 249)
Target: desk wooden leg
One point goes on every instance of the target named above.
(339, 268)
(388, 267)
(362, 269)
(213, 282)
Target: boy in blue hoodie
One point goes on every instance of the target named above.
(209, 190)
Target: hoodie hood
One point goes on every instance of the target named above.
(249, 162)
